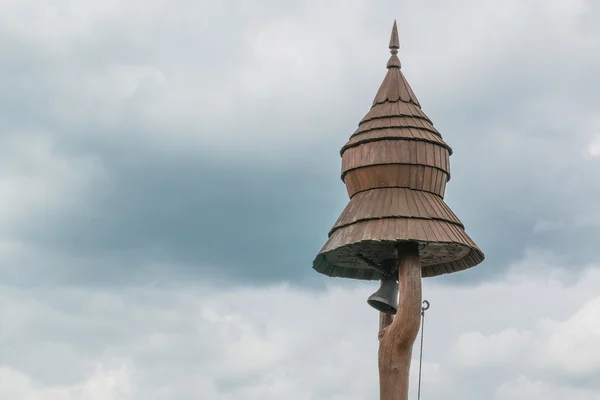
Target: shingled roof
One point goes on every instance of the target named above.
(395, 167)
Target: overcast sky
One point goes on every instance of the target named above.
(169, 170)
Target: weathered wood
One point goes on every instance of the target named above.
(385, 151)
(417, 127)
(393, 166)
(395, 88)
(395, 109)
(441, 243)
(384, 321)
(416, 177)
(395, 203)
(389, 129)
(396, 337)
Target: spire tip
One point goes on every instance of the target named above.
(394, 41)
(394, 61)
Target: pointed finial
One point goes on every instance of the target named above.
(394, 41)
(394, 61)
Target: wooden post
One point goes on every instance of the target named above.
(397, 335)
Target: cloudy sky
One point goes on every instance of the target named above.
(169, 170)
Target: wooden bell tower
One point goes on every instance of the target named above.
(396, 226)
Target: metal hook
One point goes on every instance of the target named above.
(425, 305)
(424, 308)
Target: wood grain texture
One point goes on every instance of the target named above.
(444, 247)
(396, 339)
(395, 109)
(387, 120)
(383, 152)
(395, 203)
(417, 177)
(386, 128)
(395, 88)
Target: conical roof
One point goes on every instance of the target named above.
(395, 167)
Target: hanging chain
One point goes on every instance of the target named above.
(423, 309)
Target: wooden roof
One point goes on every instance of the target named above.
(395, 167)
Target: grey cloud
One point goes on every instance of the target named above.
(260, 343)
(250, 223)
(177, 192)
(149, 146)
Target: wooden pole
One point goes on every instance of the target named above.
(397, 335)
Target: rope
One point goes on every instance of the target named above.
(423, 309)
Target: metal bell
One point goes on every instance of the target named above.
(386, 298)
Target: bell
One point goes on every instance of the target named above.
(386, 298)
